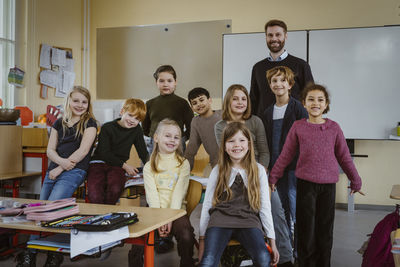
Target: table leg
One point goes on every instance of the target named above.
(15, 189)
(149, 250)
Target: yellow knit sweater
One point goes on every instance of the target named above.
(167, 188)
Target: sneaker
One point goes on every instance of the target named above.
(26, 259)
(54, 259)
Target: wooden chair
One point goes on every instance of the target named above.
(193, 196)
(201, 161)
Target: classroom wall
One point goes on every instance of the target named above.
(56, 23)
(59, 22)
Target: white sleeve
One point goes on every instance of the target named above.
(265, 209)
(208, 199)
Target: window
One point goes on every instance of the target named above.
(7, 50)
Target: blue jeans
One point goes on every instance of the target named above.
(286, 187)
(252, 239)
(63, 186)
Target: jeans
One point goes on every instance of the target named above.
(315, 216)
(286, 187)
(282, 236)
(63, 186)
(252, 239)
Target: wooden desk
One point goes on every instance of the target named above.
(149, 220)
(395, 194)
(16, 177)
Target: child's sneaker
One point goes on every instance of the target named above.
(26, 259)
(54, 259)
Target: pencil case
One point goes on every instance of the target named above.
(56, 204)
(108, 222)
(53, 214)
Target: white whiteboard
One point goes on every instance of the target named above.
(361, 69)
(241, 51)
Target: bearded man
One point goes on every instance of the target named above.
(261, 95)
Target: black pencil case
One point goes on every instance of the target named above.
(108, 223)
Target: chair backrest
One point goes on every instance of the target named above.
(193, 196)
(201, 161)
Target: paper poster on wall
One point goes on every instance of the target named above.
(45, 61)
(68, 80)
(58, 57)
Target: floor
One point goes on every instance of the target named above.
(349, 234)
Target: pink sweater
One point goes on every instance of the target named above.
(321, 147)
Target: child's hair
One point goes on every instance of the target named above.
(164, 68)
(316, 87)
(196, 92)
(83, 121)
(226, 106)
(155, 154)
(248, 163)
(286, 72)
(275, 22)
(136, 107)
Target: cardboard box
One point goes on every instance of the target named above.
(34, 137)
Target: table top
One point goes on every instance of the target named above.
(15, 175)
(149, 218)
(395, 191)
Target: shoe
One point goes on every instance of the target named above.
(54, 259)
(286, 264)
(164, 245)
(26, 259)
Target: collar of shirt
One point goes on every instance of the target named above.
(280, 58)
(236, 171)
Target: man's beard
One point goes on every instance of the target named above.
(275, 49)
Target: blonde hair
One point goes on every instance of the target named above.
(136, 107)
(154, 158)
(226, 106)
(85, 117)
(248, 163)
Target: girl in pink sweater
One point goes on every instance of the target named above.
(321, 146)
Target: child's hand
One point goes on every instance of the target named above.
(273, 187)
(130, 170)
(201, 249)
(165, 229)
(67, 164)
(54, 173)
(274, 253)
(352, 192)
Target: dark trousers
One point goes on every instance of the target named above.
(315, 215)
(105, 183)
(182, 230)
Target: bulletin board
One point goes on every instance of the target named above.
(56, 70)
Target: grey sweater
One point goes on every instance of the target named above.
(202, 131)
(256, 127)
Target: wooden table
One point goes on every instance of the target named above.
(395, 194)
(16, 177)
(141, 232)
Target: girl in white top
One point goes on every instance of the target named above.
(236, 203)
